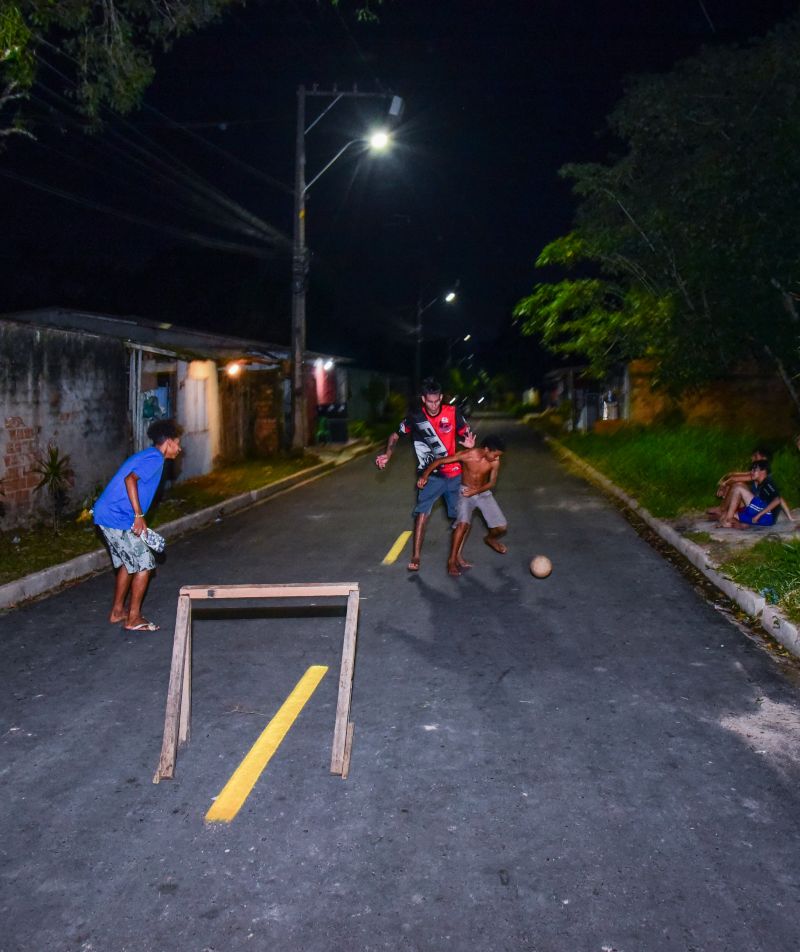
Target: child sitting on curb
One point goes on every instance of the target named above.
(760, 506)
(729, 481)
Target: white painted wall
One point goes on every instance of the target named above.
(198, 413)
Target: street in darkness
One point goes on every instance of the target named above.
(592, 762)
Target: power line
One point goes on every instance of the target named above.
(173, 171)
(220, 244)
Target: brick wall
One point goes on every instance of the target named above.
(20, 451)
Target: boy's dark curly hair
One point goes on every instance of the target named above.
(160, 431)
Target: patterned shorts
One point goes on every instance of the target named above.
(128, 549)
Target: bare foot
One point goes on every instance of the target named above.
(463, 564)
(497, 546)
(116, 617)
(714, 513)
(453, 569)
(413, 565)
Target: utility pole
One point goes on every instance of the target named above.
(300, 254)
(418, 348)
(299, 278)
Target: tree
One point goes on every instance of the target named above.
(686, 246)
(105, 48)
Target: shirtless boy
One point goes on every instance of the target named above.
(479, 469)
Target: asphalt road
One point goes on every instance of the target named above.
(597, 761)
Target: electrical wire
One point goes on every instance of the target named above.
(172, 171)
(217, 243)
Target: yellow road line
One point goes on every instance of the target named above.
(237, 789)
(397, 548)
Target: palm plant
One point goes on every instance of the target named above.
(56, 477)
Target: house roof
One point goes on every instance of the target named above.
(172, 338)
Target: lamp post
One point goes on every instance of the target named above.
(448, 298)
(300, 257)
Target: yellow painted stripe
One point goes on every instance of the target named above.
(397, 548)
(237, 789)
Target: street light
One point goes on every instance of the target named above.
(448, 298)
(378, 141)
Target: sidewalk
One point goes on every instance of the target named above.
(705, 557)
(49, 580)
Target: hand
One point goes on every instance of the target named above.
(466, 491)
(139, 525)
(422, 482)
(756, 517)
(382, 460)
(468, 440)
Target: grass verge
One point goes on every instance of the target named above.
(771, 568)
(675, 470)
(37, 548)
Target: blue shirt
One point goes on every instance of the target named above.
(113, 509)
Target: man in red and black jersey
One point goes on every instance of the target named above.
(434, 428)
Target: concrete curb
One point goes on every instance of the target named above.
(770, 619)
(13, 594)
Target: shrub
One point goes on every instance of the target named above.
(56, 475)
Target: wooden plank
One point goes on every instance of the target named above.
(166, 764)
(288, 590)
(348, 749)
(345, 684)
(186, 695)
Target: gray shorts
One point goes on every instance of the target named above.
(486, 503)
(128, 549)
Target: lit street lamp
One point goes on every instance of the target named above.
(448, 298)
(378, 141)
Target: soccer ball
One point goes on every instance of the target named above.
(541, 566)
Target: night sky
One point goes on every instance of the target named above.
(498, 96)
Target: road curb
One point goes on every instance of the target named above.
(49, 580)
(767, 616)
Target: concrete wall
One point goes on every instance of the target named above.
(61, 387)
(748, 399)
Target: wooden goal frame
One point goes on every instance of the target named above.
(177, 720)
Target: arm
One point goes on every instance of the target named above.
(132, 489)
(383, 458)
(455, 458)
(729, 478)
(786, 510)
(768, 508)
(486, 486)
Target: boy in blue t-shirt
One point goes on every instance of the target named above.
(119, 514)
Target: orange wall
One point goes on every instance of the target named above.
(747, 400)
